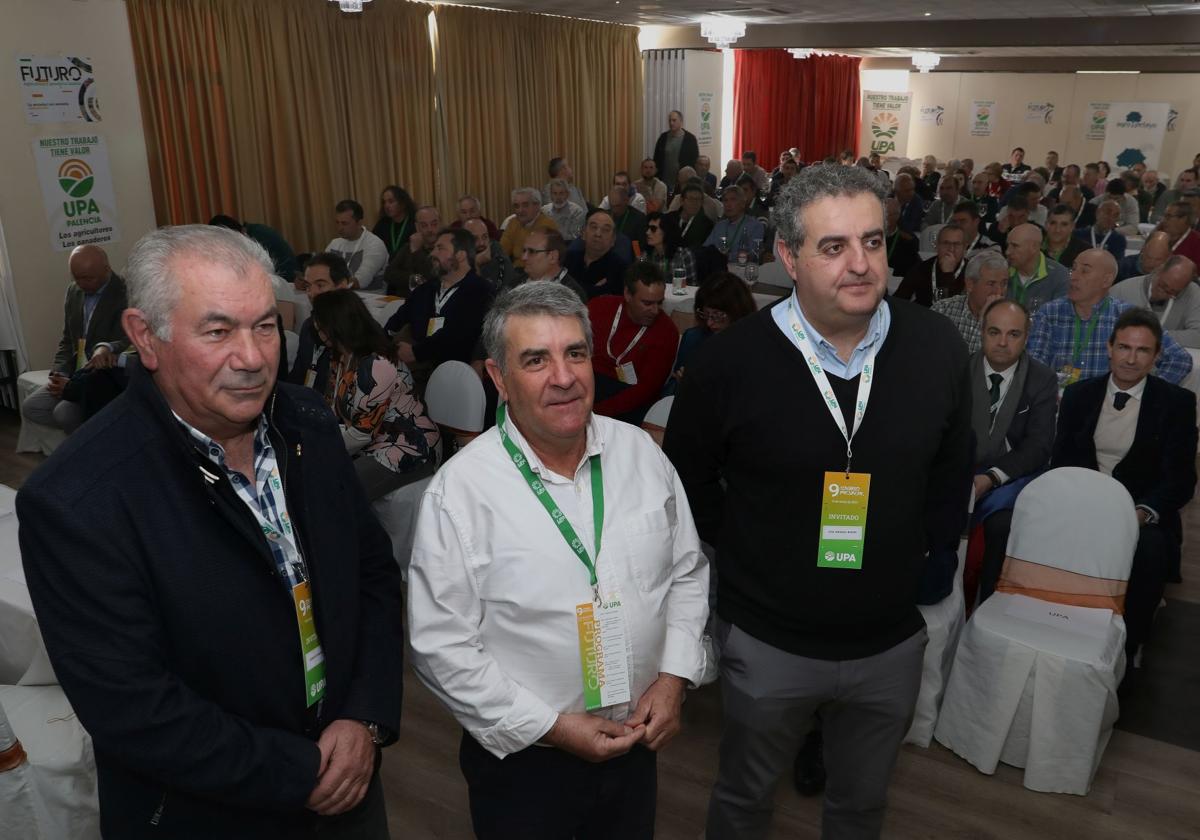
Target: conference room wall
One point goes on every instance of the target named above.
(703, 74)
(1071, 94)
(97, 29)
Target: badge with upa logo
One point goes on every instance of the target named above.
(843, 520)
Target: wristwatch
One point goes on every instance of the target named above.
(376, 735)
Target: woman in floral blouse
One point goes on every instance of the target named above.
(384, 425)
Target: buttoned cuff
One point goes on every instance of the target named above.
(1152, 514)
(683, 656)
(1001, 475)
(527, 722)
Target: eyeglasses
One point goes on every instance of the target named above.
(712, 316)
(527, 251)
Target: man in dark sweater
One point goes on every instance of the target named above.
(823, 545)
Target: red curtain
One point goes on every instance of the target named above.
(780, 102)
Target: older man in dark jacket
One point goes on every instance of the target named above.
(217, 600)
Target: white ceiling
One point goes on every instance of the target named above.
(679, 12)
(1125, 50)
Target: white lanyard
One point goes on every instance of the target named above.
(933, 275)
(441, 296)
(1082, 207)
(1102, 241)
(687, 227)
(946, 218)
(831, 400)
(1162, 319)
(613, 331)
(1178, 242)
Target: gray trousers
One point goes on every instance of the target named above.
(48, 410)
(770, 697)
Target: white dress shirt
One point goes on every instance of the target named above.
(1115, 430)
(493, 585)
(1006, 378)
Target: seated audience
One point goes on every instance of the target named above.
(1014, 403)
(940, 276)
(710, 206)
(1141, 430)
(363, 251)
(527, 208)
(491, 263)
(559, 168)
(755, 206)
(1056, 171)
(1031, 189)
(630, 222)
(1071, 334)
(1103, 170)
(902, 249)
(1179, 224)
(911, 208)
(1171, 293)
(722, 299)
(689, 211)
(92, 342)
(733, 171)
(987, 203)
(545, 260)
(1127, 223)
(636, 200)
(442, 318)
(997, 185)
(384, 426)
(1016, 213)
(1032, 278)
(594, 260)
(704, 173)
(942, 208)
(966, 216)
(567, 216)
(1085, 213)
(635, 345)
(787, 171)
(470, 208)
(735, 231)
(1016, 166)
(1060, 243)
(1104, 233)
(651, 188)
(1184, 183)
(664, 252)
(986, 279)
(397, 219)
(1153, 254)
(324, 272)
(281, 253)
(928, 180)
(413, 264)
(757, 174)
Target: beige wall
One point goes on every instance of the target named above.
(1070, 94)
(702, 72)
(99, 29)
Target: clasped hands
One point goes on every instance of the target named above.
(347, 764)
(654, 722)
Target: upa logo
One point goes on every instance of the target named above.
(705, 112)
(884, 127)
(983, 114)
(76, 179)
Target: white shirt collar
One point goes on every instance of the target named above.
(1005, 375)
(595, 446)
(1135, 392)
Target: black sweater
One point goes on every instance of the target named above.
(749, 414)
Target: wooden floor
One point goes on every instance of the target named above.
(1144, 788)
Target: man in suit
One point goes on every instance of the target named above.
(92, 337)
(217, 599)
(1014, 399)
(1140, 430)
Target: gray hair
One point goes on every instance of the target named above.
(812, 184)
(529, 191)
(151, 277)
(557, 182)
(985, 259)
(533, 297)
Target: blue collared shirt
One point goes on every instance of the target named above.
(876, 334)
(90, 301)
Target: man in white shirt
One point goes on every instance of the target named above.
(559, 168)
(557, 591)
(636, 200)
(1171, 293)
(362, 250)
(566, 214)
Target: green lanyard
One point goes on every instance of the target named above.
(624, 218)
(543, 496)
(1083, 340)
(397, 240)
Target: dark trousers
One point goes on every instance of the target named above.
(1147, 580)
(365, 821)
(543, 793)
(995, 549)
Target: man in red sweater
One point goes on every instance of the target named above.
(635, 345)
(1178, 222)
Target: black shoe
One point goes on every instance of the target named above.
(810, 765)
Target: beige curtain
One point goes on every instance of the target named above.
(313, 106)
(517, 89)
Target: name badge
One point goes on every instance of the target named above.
(843, 520)
(309, 378)
(435, 324)
(81, 358)
(627, 374)
(310, 644)
(602, 654)
(1069, 375)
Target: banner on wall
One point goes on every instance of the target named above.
(1134, 133)
(81, 207)
(704, 136)
(1095, 120)
(933, 114)
(885, 122)
(1041, 113)
(983, 117)
(58, 88)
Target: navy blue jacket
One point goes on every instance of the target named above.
(463, 311)
(171, 632)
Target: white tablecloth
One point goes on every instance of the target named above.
(381, 307)
(686, 302)
(23, 659)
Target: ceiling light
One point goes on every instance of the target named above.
(928, 14)
(800, 53)
(721, 31)
(926, 61)
(350, 5)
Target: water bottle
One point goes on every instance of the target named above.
(678, 280)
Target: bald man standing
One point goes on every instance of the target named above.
(92, 337)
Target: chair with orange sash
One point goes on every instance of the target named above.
(1035, 677)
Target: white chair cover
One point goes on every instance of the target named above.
(659, 412)
(293, 345)
(929, 237)
(34, 437)
(1036, 696)
(54, 795)
(397, 513)
(943, 622)
(774, 274)
(454, 397)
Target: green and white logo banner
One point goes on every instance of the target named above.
(1135, 134)
(77, 189)
(885, 121)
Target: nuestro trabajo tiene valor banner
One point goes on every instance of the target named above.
(885, 121)
(77, 189)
